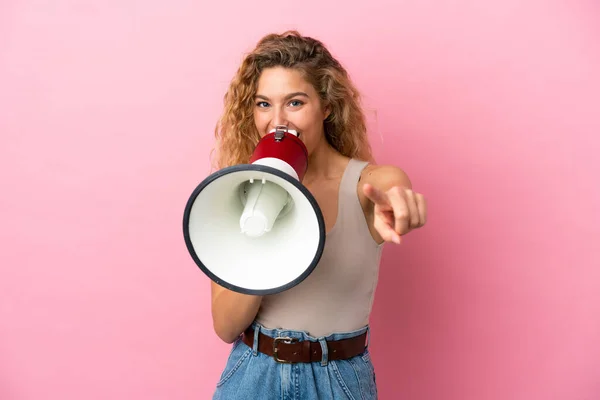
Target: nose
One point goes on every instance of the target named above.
(279, 118)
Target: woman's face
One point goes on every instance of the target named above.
(283, 97)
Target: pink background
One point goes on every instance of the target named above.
(107, 110)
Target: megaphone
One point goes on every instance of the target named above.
(254, 228)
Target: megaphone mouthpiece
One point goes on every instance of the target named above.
(284, 129)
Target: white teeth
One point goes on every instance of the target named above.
(292, 131)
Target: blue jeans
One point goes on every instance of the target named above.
(252, 375)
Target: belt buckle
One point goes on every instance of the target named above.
(285, 340)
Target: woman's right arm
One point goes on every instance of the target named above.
(232, 312)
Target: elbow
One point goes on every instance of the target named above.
(225, 333)
(229, 339)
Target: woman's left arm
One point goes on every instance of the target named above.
(395, 208)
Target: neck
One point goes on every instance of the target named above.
(322, 163)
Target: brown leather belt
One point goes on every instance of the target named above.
(291, 350)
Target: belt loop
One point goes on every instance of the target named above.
(255, 342)
(324, 351)
(368, 337)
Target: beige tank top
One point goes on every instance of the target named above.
(338, 295)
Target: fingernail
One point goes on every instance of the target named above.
(396, 239)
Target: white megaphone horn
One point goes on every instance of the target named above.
(254, 228)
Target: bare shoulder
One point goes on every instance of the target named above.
(384, 177)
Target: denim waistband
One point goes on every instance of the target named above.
(303, 335)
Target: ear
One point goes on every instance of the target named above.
(326, 112)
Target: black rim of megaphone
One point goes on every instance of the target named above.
(280, 174)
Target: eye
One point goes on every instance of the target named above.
(296, 103)
(262, 104)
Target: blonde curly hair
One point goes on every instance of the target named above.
(345, 128)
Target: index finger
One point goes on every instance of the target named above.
(375, 195)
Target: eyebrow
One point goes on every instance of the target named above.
(289, 96)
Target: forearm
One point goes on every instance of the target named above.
(232, 312)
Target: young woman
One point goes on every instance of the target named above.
(311, 341)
